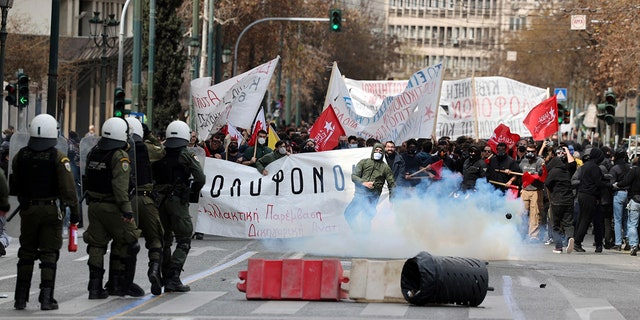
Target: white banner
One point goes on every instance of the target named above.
(398, 118)
(498, 100)
(303, 195)
(235, 100)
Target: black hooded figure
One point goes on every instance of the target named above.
(589, 189)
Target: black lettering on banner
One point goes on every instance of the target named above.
(236, 184)
(338, 178)
(278, 178)
(217, 179)
(318, 175)
(300, 179)
(255, 193)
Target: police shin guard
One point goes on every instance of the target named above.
(96, 291)
(22, 295)
(173, 283)
(47, 302)
(132, 289)
(23, 283)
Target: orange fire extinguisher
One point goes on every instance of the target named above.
(73, 237)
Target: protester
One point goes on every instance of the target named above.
(532, 194)
(257, 151)
(558, 181)
(617, 173)
(589, 189)
(263, 162)
(500, 167)
(473, 169)
(632, 182)
(369, 176)
(395, 161)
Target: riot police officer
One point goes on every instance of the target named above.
(147, 214)
(41, 164)
(179, 178)
(110, 212)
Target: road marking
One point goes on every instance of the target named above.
(280, 307)
(385, 310)
(184, 303)
(124, 310)
(77, 305)
(507, 287)
(8, 277)
(196, 251)
(493, 307)
(587, 308)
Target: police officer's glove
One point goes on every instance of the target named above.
(127, 215)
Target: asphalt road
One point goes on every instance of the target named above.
(537, 285)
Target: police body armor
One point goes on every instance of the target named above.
(36, 168)
(142, 167)
(98, 171)
(170, 171)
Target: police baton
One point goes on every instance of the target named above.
(13, 214)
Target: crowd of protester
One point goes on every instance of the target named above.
(576, 187)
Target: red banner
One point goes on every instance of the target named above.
(542, 120)
(502, 133)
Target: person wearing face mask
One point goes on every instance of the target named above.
(500, 167)
(353, 142)
(521, 151)
(232, 153)
(309, 146)
(263, 162)
(532, 194)
(558, 182)
(257, 151)
(473, 169)
(369, 176)
(412, 164)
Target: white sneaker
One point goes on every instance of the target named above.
(549, 242)
(570, 245)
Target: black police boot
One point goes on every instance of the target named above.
(96, 291)
(173, 283)
(132, 289)
(154, 277)
(22, 295)
(47, 302)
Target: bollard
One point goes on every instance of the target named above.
(428, 279)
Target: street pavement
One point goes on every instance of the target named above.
(533, 284)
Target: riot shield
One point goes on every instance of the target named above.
(199, 152)
(18, 141)
(86, 144)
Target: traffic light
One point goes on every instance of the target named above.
(567, 116)
(335, 19)
(561, 112)
(12, 92)
(23, 90)
(118, 103)
(607, 110)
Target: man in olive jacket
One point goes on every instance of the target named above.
(369, 177)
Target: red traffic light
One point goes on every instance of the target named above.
(11, 88)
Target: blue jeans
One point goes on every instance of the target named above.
(634, 213)
(620, 215)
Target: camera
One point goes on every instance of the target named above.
(549, 143)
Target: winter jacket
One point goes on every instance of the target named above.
(373, 170)
(558, 181)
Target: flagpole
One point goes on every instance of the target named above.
(475, 108)
(435, 122)
(253, 128)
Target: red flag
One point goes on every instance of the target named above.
(542, 120)
(327, 130)
(258, 124)
(437, 168)
(502, 133)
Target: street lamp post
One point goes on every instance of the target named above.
(104, 39)
(4, 5)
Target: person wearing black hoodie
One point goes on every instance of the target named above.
(558, 182)
(589, 189)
